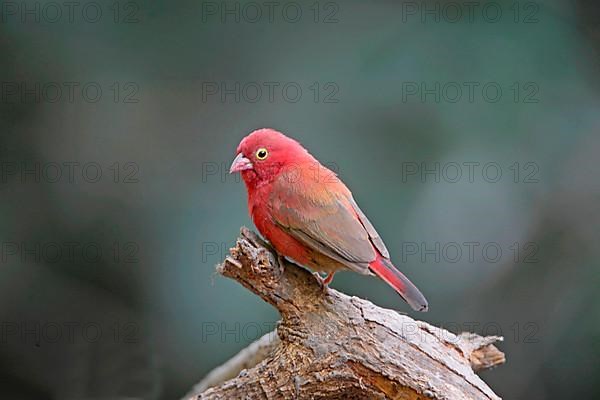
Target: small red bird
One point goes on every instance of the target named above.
(309, 215)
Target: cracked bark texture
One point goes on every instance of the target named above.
(334, 346)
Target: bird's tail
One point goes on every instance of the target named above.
(384, 269)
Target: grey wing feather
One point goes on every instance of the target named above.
(373, 235)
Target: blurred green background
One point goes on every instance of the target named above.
(116, 204)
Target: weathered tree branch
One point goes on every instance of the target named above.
(245, 359)
(333, 346)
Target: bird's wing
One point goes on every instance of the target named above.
(321, 214)
(373, 235)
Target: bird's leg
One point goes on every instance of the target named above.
(324, 282)
(319, 279)
(328, 278)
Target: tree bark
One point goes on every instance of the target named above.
(333, 346)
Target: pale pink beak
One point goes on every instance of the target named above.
(240, 163)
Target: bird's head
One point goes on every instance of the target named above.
(263, 154)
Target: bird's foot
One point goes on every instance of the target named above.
(324, 282)
(281, 262)
(320, 280)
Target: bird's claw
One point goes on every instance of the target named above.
(323, 282)
(319, 279)
(281, 263)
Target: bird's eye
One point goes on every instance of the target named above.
(262, 153)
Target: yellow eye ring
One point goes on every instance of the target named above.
(262, 153)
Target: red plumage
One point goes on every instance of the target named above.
(309, 215)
